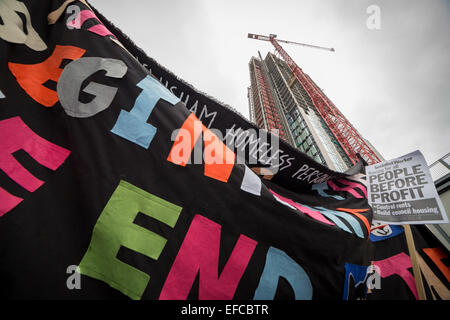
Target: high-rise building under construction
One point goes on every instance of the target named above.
(278, 101)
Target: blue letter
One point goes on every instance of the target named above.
(133, 125)
(358, 273)
(347, 217)
(279, 264)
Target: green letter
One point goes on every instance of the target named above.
(115, 228)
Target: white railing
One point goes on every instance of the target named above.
(440, 168)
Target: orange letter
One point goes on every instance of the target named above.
(219, 160)
(31, 77)
(437, 255)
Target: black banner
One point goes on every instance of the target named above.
(115, 185)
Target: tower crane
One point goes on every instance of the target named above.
(346, 135)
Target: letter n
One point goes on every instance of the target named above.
(115, 228)
(199, 253)
(15, 136)
(219, 166)
(33, 77)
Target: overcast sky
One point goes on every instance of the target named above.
(392, 83)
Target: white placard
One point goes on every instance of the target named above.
(401, 191)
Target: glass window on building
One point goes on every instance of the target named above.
(313, 150)
(302, 124)
(305, 145)
(319, 159)
(304, 134)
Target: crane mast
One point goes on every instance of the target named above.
(346, 135)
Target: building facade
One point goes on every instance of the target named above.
(277, 100)
(440, 172)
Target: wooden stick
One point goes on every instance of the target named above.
(415, 263)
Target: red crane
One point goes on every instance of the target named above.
(345, 134)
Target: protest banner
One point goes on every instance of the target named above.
(98, 202)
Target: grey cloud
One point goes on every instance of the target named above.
(392, 84)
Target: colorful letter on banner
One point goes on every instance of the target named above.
(115, 228)
(359, 275)
(32, 77)
(351, 186)
(219, 166)
(333, 216)
(199, 253)
(85, 15)
(315, 214)
(357, 213)
(321, 187)
(279, 264)
(251, 183)
(434, 284)
(133, 125)
(15, 136)
(12, 28)
(437, 255)
(73, 76)
(7, 201)
(399, 265)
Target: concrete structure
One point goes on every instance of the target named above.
(277, 100)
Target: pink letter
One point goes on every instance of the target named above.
(398, 264)
(316, 215)
(84, 15)
(351, 187)
(200, 253)
(15, 135)
(7, 201)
